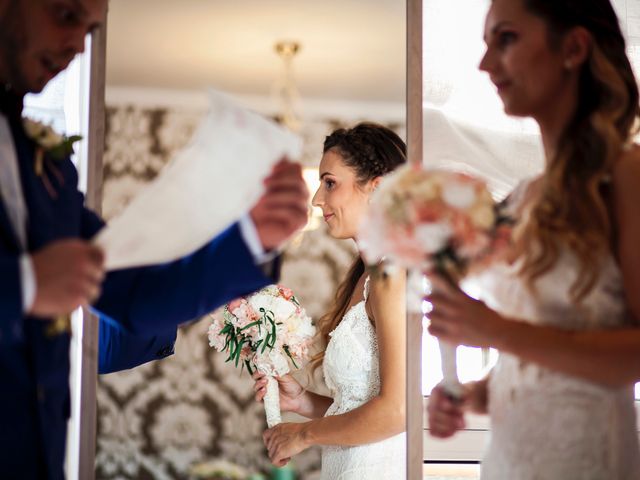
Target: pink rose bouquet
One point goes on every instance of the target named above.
(267, 331)
(432, 220)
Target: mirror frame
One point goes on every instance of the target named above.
(96, 130)
(85, 418)
(414, 410)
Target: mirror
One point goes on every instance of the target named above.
(465, 129)
(162, 418)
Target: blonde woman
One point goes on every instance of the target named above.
(563, 306)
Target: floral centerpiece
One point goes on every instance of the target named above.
(434, 221)
(267, 331)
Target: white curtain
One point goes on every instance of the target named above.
(465, 127)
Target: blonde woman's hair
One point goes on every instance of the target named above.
(569, 207)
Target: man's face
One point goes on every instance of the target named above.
(39, 38)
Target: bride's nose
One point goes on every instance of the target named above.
(317, 200)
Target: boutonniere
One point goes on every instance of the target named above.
(49, 144)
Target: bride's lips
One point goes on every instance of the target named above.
(327, 216)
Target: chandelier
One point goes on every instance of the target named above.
(286, 90)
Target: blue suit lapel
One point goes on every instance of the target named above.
(7, 232)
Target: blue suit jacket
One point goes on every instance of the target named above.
(139, 310)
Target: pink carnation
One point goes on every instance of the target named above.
(285, 292)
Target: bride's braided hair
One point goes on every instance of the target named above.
(371, 150)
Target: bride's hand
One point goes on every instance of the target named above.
(460, 319)
(284, 441)
(291, 391)
(446, 415)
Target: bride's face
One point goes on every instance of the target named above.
(342, 199)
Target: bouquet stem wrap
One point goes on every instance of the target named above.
(448, 358)
(450, 382)
(272, 402)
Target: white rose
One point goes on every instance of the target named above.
(459, 195)
(482, 216)
(281, 308)
(272, 362)
(32, 128)
(433, 236)
(301, 326)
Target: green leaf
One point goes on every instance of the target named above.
(248, 364)
(257, 322)
(286, 350)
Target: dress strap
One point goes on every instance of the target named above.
(366, 288)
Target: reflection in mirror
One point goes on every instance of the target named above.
(466, 129)
(163, 418)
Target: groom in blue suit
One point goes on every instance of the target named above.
(48, 267)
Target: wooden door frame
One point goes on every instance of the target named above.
(414, 400)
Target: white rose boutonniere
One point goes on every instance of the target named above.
(49, 145)
(50, 142)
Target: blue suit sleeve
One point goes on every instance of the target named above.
(120, 350)
(158, 298)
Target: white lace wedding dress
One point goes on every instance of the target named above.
(547, 425)
(351, 371)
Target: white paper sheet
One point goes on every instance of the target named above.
(211, 183)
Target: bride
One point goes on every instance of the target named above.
(361, 427)
(563, 307)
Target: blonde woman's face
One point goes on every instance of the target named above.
(529, 75)
(342, 200)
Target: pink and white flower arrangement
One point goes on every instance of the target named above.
(267, 331)
(434, 221)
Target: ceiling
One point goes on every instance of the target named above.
(351, 49)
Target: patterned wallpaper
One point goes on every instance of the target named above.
(157, 420)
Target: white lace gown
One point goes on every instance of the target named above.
(547, 425)
(351, 371)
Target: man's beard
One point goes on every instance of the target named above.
(13, 44)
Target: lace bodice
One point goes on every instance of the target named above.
(545, 424)
(352, 373)
(351, 369)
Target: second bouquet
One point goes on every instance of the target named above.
(267, 331)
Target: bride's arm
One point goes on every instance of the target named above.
(384, 415)
(608, 357)
(313, 405)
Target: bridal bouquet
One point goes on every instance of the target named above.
(434, 220)
(267, 331)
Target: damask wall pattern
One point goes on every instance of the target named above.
(157, 420)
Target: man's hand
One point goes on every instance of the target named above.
(284, 207)
(68, 274)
